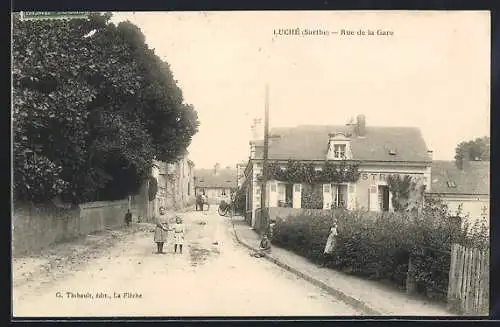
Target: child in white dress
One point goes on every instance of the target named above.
(330, 245)
(178, 229)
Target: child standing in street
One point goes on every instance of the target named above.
(161, 230)
(178, 230)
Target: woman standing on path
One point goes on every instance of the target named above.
(330, 244)
(178, 229)
(161, 231)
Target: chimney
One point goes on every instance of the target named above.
(216, 169)
(430, 153)
(257, 129)
(351, 127)
(361, 125)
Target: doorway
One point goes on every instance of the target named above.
(383, 193)
(289, 195)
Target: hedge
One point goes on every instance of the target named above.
(378, 245)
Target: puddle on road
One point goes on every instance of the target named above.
(199, 255)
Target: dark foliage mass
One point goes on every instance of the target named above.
(478, 148)
(379, 245)
(92, 107)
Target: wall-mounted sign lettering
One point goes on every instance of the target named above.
(382, 177)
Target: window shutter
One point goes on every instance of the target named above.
(327, 196)
(297, 196)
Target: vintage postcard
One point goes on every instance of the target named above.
(258, 163)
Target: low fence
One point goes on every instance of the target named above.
(469, 282)
(36, 227)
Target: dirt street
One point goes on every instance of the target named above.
(214, 276)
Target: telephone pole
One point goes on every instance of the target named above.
(263, 195)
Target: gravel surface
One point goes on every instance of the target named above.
(118, 274)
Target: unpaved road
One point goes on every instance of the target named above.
(129, 279)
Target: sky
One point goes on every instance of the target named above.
(433, 72)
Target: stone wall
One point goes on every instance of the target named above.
(36, 227)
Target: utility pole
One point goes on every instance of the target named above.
(263, 193)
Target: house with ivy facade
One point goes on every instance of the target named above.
(354, 166)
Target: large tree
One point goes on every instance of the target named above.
(92, 106)
(478, 148)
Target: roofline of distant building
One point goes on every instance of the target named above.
(361, 161)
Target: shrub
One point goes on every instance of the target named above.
(377, 245)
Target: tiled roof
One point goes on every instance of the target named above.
(226, 177)
(473, 179)
(311, 142)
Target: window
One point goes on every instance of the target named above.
(223, 192)
(339, 196)
(451, 184)
(339, 151)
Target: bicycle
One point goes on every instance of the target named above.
(225, 209)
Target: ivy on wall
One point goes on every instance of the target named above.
(153, 188)
(309, 173)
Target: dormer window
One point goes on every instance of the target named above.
(451, 184)
(392, 152)
(338, 147)
(339, 151)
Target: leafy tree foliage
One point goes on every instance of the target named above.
(478, 148)
(92, 107)
(406, 193)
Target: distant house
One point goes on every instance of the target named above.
(466, 187)
(175, 188)
(379, 151)
(217, 183)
